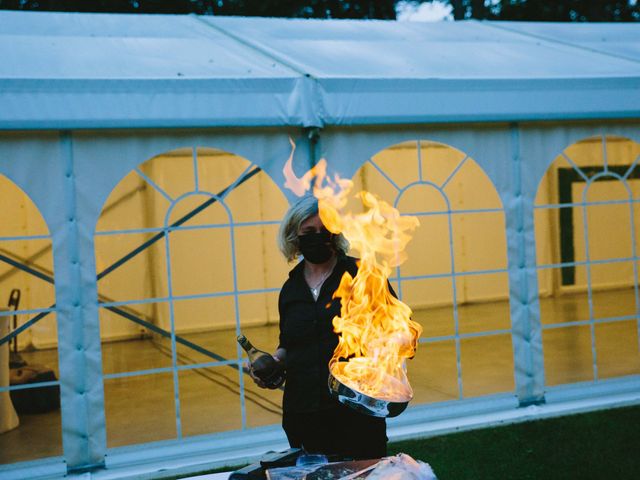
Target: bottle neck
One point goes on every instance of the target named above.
(245, 343)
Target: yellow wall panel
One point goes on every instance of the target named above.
(617, 349)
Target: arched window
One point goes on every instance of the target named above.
(29, 374)
(587, 232)
(187, 258)
(455, 278)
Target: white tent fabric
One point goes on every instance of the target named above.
(120, 71)
(186, 76)
(471, 71)
(70, 70)
(621, 41)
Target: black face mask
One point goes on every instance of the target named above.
(316, 247)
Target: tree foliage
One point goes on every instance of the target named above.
(531, 10)
(548, 10)
(382, 9)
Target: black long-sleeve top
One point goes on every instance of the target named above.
(306, 332)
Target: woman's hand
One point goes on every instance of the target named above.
(256, 380)
(278, 357)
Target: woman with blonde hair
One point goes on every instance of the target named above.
(312, 419)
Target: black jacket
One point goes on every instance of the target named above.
(306, 332)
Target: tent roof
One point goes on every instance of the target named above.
(73, 70)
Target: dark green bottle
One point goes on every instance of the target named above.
(263, 365)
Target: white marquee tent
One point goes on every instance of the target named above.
(67, 71)
(85, 99)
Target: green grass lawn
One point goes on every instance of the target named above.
(602, 445)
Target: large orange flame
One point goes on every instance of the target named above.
(376, 333)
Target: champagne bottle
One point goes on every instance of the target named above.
(264, 366)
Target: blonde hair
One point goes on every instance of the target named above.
(304, 208)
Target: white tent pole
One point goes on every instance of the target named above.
(523, 285)
(80, 360)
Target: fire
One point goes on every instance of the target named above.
(376, 333)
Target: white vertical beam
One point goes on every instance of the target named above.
(523, 283)
(81, 390)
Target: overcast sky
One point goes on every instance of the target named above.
(408, 11)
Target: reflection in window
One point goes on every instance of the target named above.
(587, 231)
(186, 256)
(30, 424)
(455, 278)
